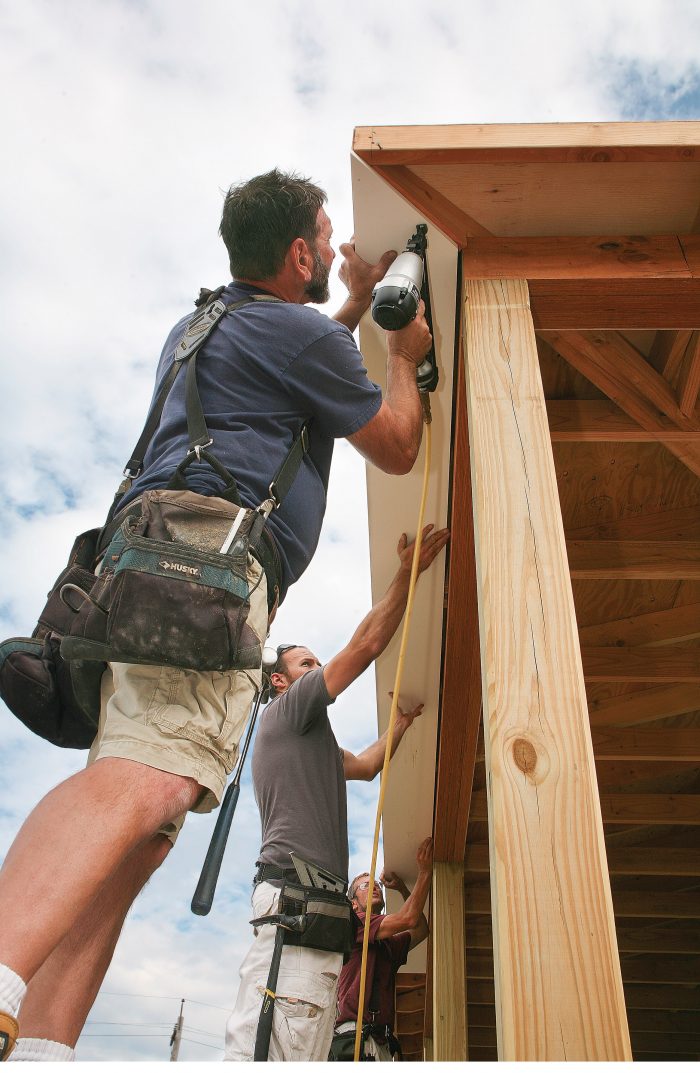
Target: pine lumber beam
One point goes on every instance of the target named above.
(449, 994)
(670, 663)
(644, 706)
(636, 559)
(460, 709)
(623, 304)
(601, 421)
(652, 629)
(611, 743)
(645, 809)
(559, 987)
(610, 257)
(575, 143)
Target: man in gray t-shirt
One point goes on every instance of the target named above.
(299, 775)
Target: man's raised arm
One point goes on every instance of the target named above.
(378, 627)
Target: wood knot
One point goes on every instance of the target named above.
(525, 755)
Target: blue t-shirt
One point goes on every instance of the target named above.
(265, 369)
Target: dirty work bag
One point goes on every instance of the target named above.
(166, 594)
(55, 700)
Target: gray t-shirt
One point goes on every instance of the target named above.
(299, 779)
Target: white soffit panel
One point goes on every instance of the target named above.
(383, 220)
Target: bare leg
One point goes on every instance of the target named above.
(74, 840)
(61, 993)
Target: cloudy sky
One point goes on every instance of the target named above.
(123, 122)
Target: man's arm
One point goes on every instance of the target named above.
(390, 440)
(410, 917)
(369, 762)
(378, 627)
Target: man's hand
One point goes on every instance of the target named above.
(413, 341)
(359, 276)
(405, 719)
(433, 542)
(424, 856)
(392, 881)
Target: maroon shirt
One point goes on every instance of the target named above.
(384, 959)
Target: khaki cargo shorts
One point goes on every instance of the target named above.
(182, 721)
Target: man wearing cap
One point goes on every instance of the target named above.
(299, 776)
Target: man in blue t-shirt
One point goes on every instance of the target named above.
(168, 737)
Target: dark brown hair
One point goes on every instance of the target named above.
(263, 216)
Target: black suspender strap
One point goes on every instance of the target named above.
(262, 1037)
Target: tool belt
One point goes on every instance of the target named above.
(306, 916)
(343, 1044)
(163, 596)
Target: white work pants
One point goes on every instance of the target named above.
(305, 1007)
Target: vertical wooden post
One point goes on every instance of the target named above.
(556, 966)
(449, 968)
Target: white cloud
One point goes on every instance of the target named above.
(123, 123)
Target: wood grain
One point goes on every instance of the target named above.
(559, 985)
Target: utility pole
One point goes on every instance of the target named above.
(177, 1034)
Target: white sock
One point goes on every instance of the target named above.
(41, 1050)
(12, 990)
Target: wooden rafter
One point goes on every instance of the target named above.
(622, 860)
(645, 809)
(436, 208)
(678, 523)
(607, 257)
(689, 377)
(644, 706)
(654, 628)
(574, 143)
(667, 352)
(601, 421)
(611, 743)
(671, 663)
(611, 363)
(638, 559)
(599, 304)
(679, 905)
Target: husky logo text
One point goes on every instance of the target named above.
(180, 568)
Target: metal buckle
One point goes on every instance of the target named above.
(198, 448)
(266, 508)
(131, 475)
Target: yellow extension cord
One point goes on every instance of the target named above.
(390, 732)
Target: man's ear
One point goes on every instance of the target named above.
(301, 259)
(279, 682)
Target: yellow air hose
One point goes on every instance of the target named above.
(392, 719)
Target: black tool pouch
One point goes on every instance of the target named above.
(327, 919)
(57, 701)
(166, 595)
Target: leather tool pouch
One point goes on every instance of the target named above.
(57, 701)
(166, 594)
